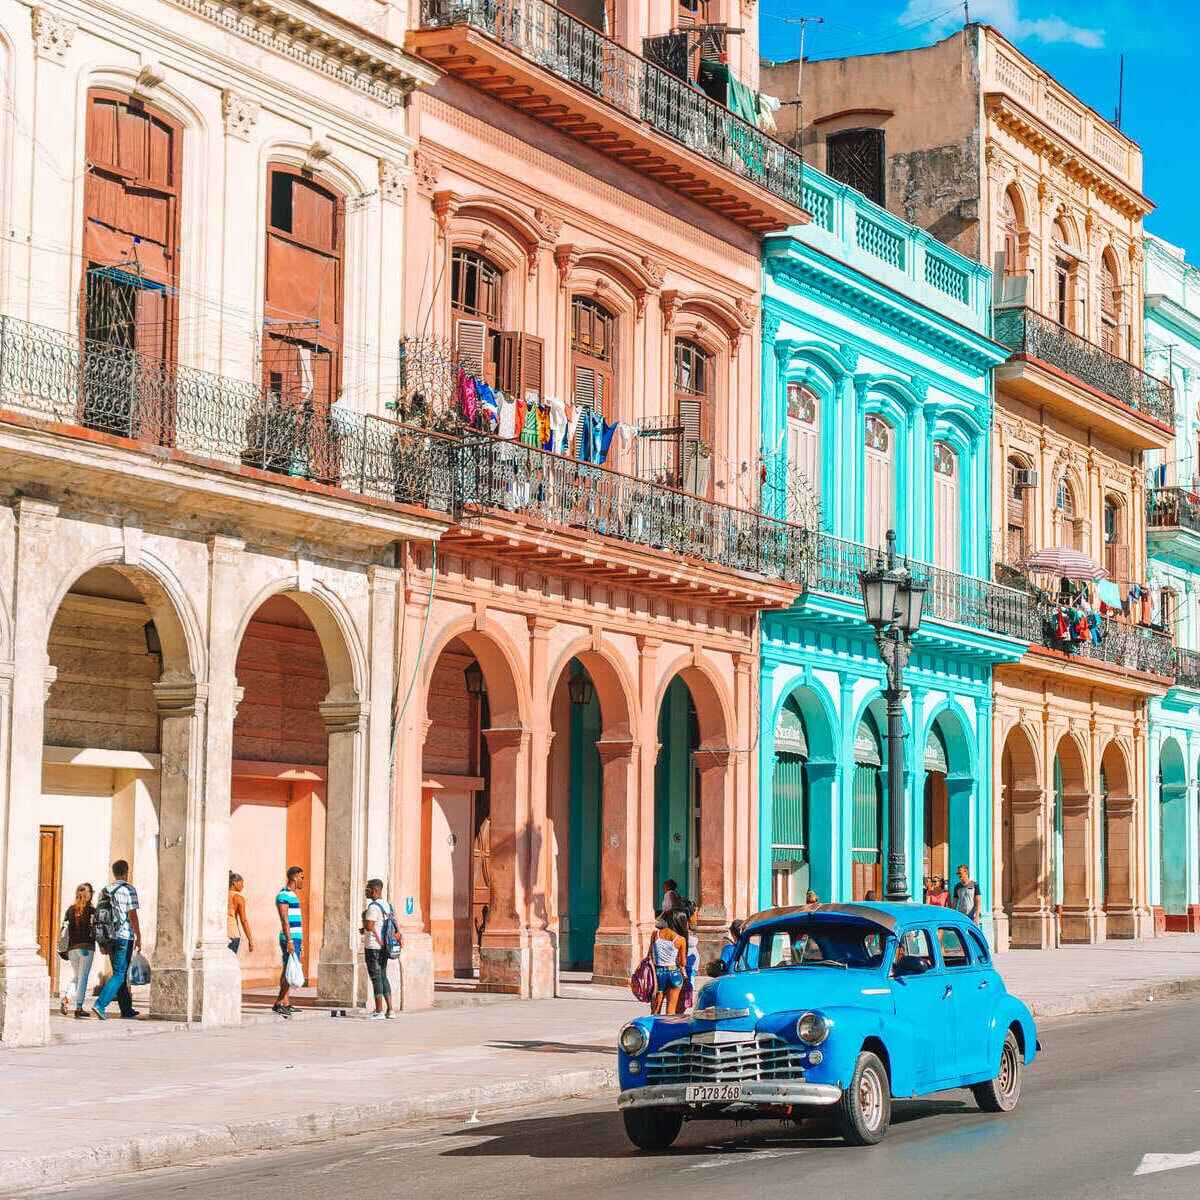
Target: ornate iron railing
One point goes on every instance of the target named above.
(1025, 331)
(59, 377)
(565, 46)
(507, 476)
(1187, 668)
(951, 597)
(1122, 643)
(1173, 507)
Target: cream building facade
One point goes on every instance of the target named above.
(972, 140)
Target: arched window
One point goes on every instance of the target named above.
(1116, 541)
(880, 493)
(132, 178)
(1019, 481)
(1065, 260)
(302, 335)
(947, 521)
(476, 295)
(593, 352)
(1014, 259)
(1070, 521)
(1110, 305)
(803, 454)
(694, 411)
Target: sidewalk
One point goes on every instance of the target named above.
(187, 1095)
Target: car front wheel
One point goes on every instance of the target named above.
(651, 1130)
(1002, 1093)
(865, 1109)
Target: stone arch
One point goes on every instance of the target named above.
(1022, 805)
(1117, 823)
(345, 658)
(501, 663)
(723, 314)
(1074, 833)
(714, 708)
(950, 796)
(614, 689)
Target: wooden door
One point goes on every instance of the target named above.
(48, 896)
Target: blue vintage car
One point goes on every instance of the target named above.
(834, 1009)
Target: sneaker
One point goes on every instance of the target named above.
(132, 1015)
(282, 1010)
(291, 1009)
(389, 1014)
(62, 1008)
(377, 1016)
(101, 1015)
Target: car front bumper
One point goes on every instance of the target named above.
(670, 1095)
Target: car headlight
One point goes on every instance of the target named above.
(813, 1028)
(633, 1040)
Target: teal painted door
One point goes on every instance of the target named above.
(789, 829)
(866, 833)
(676, 846)
(1172, 841)
(585, 831)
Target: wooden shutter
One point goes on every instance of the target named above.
(521, 358)
(946, 509)
(470, 343)
(532, 351)
(880, 492)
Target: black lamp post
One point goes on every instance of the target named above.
(892, 601)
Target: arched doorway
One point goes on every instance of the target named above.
(949, 789)
(1075, 891)
(1173, 833)
(1024, 900)
(1118, 844)
(790, 839)
(676, 793)
(118, 775)
(868, 816)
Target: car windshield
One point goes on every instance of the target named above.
(800, 943)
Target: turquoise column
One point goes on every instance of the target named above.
(914, 763)
(766, 775)
(1153, 824)
(824, 781)
(842, 806)
(1193, 822)
(982, 809)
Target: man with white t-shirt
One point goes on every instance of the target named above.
(374, 915)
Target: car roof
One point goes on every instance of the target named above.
(895, 918)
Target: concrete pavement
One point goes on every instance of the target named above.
(188, 1095)
(1111, 1096)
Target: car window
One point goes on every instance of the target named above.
(954, 949)
(982, 954)
(916, 952)
(798, 943)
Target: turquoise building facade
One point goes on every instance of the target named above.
(877, 415)
(1172, 333)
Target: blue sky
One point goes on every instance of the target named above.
(1077, 41)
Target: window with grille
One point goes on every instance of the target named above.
(693, 406)
(856, 157)
(476, 293)
(1110, 306)
(593, 349)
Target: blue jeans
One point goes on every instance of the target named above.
(116, 986)
(81, 964)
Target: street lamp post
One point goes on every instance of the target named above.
(892, 601)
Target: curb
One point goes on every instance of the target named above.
(147, 1151)
(1114, 999)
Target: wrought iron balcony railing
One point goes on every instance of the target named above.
(509, 477)
(58, 377)
(957, 599)
(1187, 668)
(1173, 508)
(1025, 331)
(1122, 643)
(560, 43)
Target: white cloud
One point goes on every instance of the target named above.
(1006, 16)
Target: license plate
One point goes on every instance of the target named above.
(712, 1093)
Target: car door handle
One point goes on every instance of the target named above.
(982, 984)
(948, 992)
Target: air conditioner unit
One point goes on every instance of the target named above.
(1025, 477)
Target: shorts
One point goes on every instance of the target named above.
(284, 952)
(234, 944)
(669, 978)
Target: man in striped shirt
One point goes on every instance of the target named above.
(291, 933)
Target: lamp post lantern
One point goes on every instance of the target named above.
(892, 602)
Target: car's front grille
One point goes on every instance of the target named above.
(755, 1058)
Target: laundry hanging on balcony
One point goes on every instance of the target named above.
(595, 438)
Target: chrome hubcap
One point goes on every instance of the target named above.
(1008, 1072)
(870, 1099)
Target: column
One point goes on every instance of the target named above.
(216, 980)
(24, 980)
(1193, 838)
(1121, 902)
(340, 976)
(643, 901)
(824, 800)
(535, 849)
(744, 811)
(504, 959)
(713, 917)
(766, 778)
(1078, 921)
(618, 945)
(1031, 925)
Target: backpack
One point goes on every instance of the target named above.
(104, 924)
(389, 934)
(644, 980)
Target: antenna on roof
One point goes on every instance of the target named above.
(1120, 93)
(966, 12)
(804, 23)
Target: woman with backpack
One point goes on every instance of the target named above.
(668, 949)
(81, 948)
(380, 942)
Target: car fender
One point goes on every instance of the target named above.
(1009, 1011)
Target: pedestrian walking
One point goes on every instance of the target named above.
(938, 893)
(81, 948)
(117, 924)
(291, 935)
(687, 928)
(670, 956)
(376, 914)
(966, 894)
(671, 898)
(729, 949)
(236, 923)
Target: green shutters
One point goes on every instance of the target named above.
(865, 832)
(789, 831)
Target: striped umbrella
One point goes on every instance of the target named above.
(1066, 564)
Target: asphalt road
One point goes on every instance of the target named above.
(1107, 1092)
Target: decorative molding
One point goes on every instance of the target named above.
(549, 226)
(149, 77)
(52, 34)
(425, 173)
(393, 181)
(566, 258)
(240, 114)
(321, 43)
(343, 716)
(318, 150)
(445, 206)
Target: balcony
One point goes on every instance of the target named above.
(1173, 523)
(1056, 369)
(1187, 668)
(534, 57)
(1123, 644)
(57, 378)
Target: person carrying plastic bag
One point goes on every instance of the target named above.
(291, 940)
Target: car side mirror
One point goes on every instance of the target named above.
(908, 965)
(716, 969)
